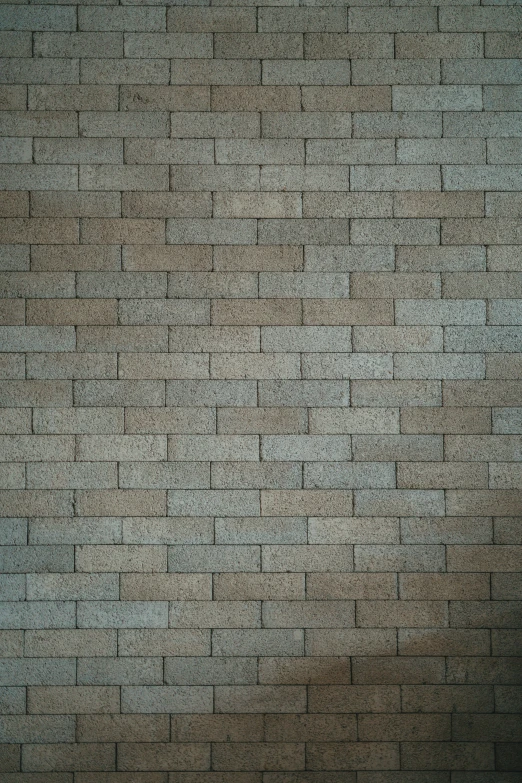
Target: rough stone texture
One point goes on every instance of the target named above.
(260, 391)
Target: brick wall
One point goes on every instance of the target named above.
(261, 383)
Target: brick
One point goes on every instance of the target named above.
(13, 97)
(29, 728)
(446, 530)
(12, 700)
(448, 204)
(398, 671)
(174, 45)
(197, 728)
(212, 614)
(350, 45)
(398, 231)
(126, 19)
(415, 558)
(41, 671)
(256, 98)
(346, 98)
(444, 755)
(213, 559)
(211, 393)
(88, 204)
(299, 671)
(126, 231)
(159, 204)
(347, 204)
(439, 45)
(383, 393)
(404, 728)
(437, 259)
(123, 728)
(211, 671)
(216, 72)
(316, 178)
(253, 642)
(260, 698)
(410, 614)
(167, 531)
(171, 420)
(393, 20)
(213, 20)
(306, 72)
(164, 98)
(132, 502)
(123, 177)
(265, 756)
(52, 71)
(400, 124)
(307, 20)
(360, 698)
(72, 258)
(61, 756)
(452, 641)
(161, 642)
(55, 44)
(72, 699)
(269, 530)
(258, 586)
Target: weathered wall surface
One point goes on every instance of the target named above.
(261, 388)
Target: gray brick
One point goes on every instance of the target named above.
(167, 698)
(72, 587)
(400, 20)
(38, 671)
(164, 642)
(126, 19)
(214, 558)
(26, 559)
(119, 671)
(306, 72)
(217, 72)
(302, 20)
(248, 45)
(253, 642)
(113, 614)
(214, 19)
(31, 728)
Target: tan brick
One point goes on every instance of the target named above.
(123, 728)
(73, 699)
(60, 311)
(217, 728)
(304, 671)
(281, 312)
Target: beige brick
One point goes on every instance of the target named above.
(256, 98)
(59, 312)
(258, 586)
(397, 671)
(131, 502)
(277, 258)
(305, 502)
(216, 728)
(346, 98)
(352, 586)
(404, 728)
(409, 614)
(260, 698)
(123, 728)
(163, 755)
(72, 699)
(445, 420)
